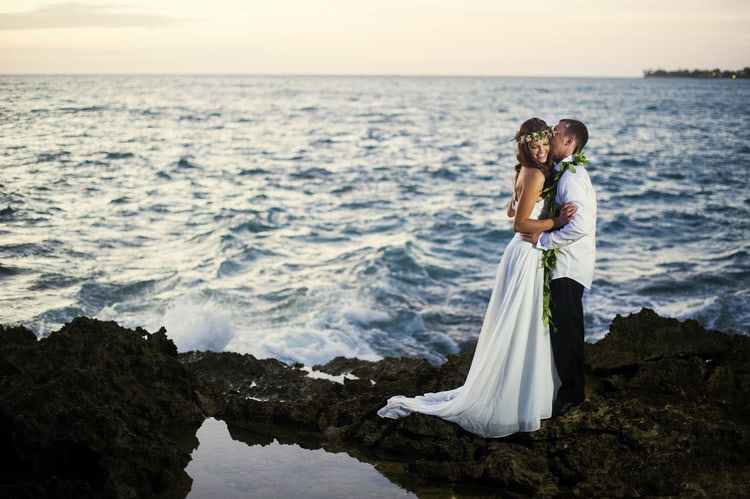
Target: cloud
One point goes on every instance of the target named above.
(78, 15)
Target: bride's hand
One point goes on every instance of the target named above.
(566, 214)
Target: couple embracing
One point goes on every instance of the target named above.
(528, 363)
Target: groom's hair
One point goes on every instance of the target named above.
(579, 132)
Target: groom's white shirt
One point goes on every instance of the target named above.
(577, 239)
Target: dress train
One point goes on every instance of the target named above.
(512, 380)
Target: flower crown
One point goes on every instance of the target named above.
(538, 135)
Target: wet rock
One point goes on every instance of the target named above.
(92, 410)
(667, 413)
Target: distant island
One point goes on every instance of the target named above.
(698, 73)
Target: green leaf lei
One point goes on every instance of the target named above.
(549, 256)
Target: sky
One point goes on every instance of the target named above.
(599, 38)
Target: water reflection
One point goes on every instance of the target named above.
(226, 468)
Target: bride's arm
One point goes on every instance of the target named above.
(529, 190)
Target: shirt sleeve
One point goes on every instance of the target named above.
(582, 223)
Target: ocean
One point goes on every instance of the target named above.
(309, 217)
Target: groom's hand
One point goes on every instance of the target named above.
(530, 237)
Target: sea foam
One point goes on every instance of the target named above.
(198, 325)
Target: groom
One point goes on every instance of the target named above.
(574, 270)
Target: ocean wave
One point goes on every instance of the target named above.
(48, 157)
(254, 171)
(195, 324)
(84, 109)
(95, 296)
(10, 271)
(47, 282)
(310, 174)
(255, 226)
(118, 155)
(186, 162)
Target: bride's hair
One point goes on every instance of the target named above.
(532, 127)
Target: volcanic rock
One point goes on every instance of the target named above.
(667, 412)
(97, 410)
(94, 410)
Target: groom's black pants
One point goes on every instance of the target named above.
(567, 341)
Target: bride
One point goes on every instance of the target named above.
(512, 379)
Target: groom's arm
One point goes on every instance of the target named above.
(582, 223)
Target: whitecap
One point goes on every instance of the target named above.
(198, 325)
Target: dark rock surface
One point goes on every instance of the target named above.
(93, 410)
(667, 413)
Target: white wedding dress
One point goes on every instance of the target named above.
(512, 379)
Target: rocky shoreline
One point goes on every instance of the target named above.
(97, 410)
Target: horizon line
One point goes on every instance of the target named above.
(328, 75)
